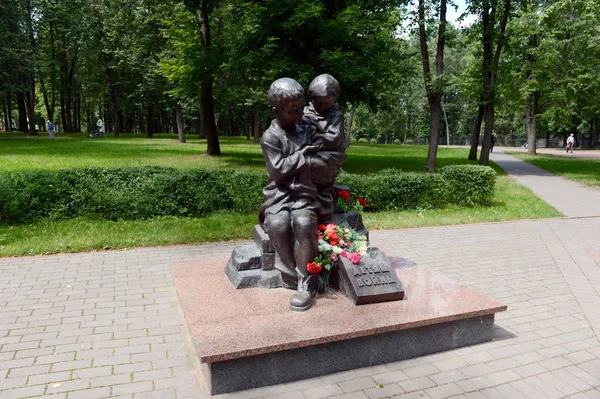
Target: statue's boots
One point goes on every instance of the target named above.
(305, 296)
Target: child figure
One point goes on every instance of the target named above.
(327, 128)
(288, 214)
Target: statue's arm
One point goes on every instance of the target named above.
(335, 131)
(279, 166)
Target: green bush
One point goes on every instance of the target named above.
(392, 190)
(470, 184)
(145, 192)
(126, 193)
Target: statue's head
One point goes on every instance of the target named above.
(286, 96)
(323, 91)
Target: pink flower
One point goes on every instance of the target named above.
(332, 257)
(330, 227)
(355, 258)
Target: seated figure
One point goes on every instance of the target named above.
(289, 212)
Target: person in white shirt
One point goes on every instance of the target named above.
(570, 143)
(100, 125)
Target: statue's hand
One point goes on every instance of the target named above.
(309, 149)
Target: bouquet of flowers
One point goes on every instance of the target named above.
(336, 241)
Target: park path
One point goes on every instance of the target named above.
(559, 152)
(570, 198)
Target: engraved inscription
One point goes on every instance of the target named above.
(367, 276)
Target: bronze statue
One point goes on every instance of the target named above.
(303, 158)
(303, 149)
(288, 214)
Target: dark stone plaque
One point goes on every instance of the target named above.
(372, 280)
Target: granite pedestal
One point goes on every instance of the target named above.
(249, 338)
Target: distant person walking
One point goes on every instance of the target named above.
(570, 143)
(100, 125)
(494, 138)
(50, 129)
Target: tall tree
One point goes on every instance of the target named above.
(493, 32)
(433, 83)
(201, 8)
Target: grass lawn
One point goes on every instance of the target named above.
(511, 201)
(71, 151)
(584, 171)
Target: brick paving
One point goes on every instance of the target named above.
(109, 324)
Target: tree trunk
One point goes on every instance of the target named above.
(446, 123)
(179, 121)
(30, 80)
(491, 60)
(116, 117)
(435, 108)
(22, 112)
(247, 128)
(433, 88)
(200, 125)
(8, 113)
(173, 116)
(476, 134)
(210, 127)
(30, 105)
(49, 109)
(67, 75)
(531, 125)
(150, 122)
(5, 112)
(63, 116)
(488, 114)
(208, 110)
(88, 117)
(78, 110)
(350, 122)
(256, 119)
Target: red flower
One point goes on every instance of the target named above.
(332, 237)
(313, 268)
(321, 227)
(343, 194)
(362, 202)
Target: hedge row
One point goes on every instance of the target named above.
(145, 192)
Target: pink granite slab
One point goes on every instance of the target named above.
(227, 323)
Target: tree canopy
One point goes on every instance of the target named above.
(524, 69)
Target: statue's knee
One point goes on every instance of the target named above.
(305, 225)
(278, 224)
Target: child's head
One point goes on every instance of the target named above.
(323, 91)
(287, 99)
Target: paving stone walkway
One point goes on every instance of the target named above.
(109, 324)
(569, 197)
